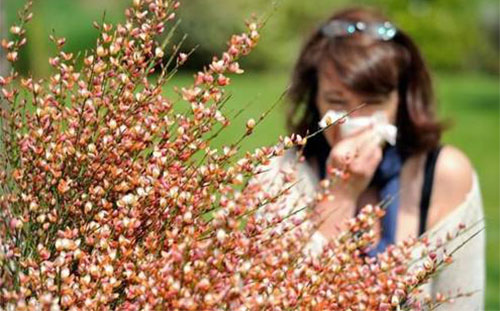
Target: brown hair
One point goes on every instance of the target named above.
(368, 66)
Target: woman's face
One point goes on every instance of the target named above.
(333, 95)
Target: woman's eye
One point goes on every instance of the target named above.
(374, 101)
(335, 101)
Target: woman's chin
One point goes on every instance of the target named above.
(332, 137)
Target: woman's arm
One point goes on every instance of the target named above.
(359, 154)
(456, 198)
(334, 213)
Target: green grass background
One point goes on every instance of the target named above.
(469, 100)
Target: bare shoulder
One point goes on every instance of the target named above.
(452, 182)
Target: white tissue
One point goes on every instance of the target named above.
(383, 129)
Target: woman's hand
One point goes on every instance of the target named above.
(358, 155)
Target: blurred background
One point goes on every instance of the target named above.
(458, 38)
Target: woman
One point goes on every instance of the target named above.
(359, 61)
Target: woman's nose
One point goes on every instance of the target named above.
(356, 109)
(354, 114)
(358, 112)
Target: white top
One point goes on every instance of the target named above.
(467, 272)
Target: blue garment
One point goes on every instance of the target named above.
(387, 180)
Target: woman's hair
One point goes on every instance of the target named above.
(367, 66)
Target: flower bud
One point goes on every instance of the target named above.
(112, 124)
(114, 48)
(181, 59)
(65, 273)
(252, 26)
(428, 264)
(159, 52)
(223, 80)
(59, 246)
(108, 269)
(221, 235)
(188, 217)
(15, 30)
(33, 206)
(101, 51)
(16, 223)
(218, 66)
(41, 218)
(250, 125)
(209, 299)
(91, 148)
(89, 60)
(12, 56)
(395, 301)
(88, 207)
(204, 284)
